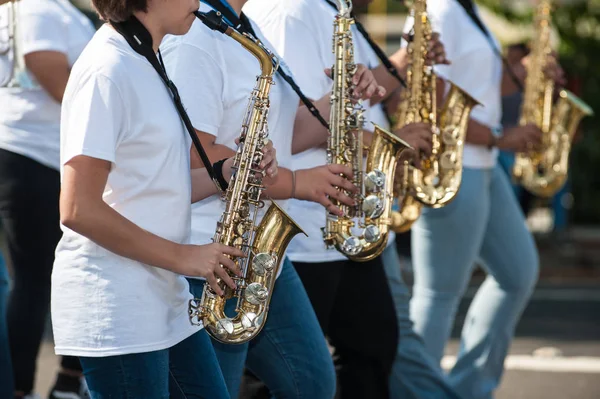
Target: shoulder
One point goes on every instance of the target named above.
(45, 8)
(445, 12)
(107, 58)
(305, 11)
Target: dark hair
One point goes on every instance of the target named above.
(119, 10)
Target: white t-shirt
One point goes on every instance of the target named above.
(302, 32)
(216, 76)
(116, 108)
(29, 116)
(475, 68)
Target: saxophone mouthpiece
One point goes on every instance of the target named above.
(213, 19)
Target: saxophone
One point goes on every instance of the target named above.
(265, 244)
(438, 180)
(345, 146)
(543, 171)
(17, 75)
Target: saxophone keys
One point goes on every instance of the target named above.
(371, 233)
(375, 181)
(223, 328)
(450, 135)
(263, 263)
(256, 294)
(351, 246)
(448, 160)
(372, 206)
(248, 320)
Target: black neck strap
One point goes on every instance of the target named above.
(242, 24)
(140, 40)
(469, 8)
(378, 51)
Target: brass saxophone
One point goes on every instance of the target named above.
(372, 214)
(17, 74)
(438, 180)
(265, 244)
(543, 171)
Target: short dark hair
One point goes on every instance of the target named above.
(119, 10)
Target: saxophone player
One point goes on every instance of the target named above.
(483, 222)
(119, 298)
(342, 292)
(290, 354)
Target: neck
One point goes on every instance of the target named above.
(237, 5)
(156, 30)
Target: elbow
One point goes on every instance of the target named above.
(71, 214)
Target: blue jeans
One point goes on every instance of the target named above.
(415, 374)
(290, 354)
(6, 374)
(187, 370)
(483, 223)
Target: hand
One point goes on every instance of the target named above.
(365, 85)
(436, 52)
(419, 136)
(553, 70)
(520, 138)
(268, 164)
(209, 261)
(320, 184)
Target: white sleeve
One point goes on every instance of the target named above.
(200, 82)
(305, 56)
(93, 120)
(42, 32)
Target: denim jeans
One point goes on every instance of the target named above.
(6, 374)
(415, 374)
(290, 354)
(187, 370)
(483, 223)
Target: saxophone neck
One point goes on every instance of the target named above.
(269, 63)
(345, 8)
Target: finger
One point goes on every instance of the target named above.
(340, 196)
(329, 72)
(330, 207)
(381, 91)
(346, 184)
(225, 277)
(360, 71)
(230, 264)
(365, 81)
(369, 91)
(341, 169)
(224, 249)
(212, 281)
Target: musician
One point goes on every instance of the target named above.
(483, 222)
(343, 293)
(119, 298)
(34, 68)
(290, 354)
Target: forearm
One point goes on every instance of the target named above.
(282, 188)
(478, 134)
(106, 227)
(308, 131)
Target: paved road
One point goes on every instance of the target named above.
(564, 322)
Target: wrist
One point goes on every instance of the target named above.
(299, 176)
(400, 60)
(494, 139)
(227, 168)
